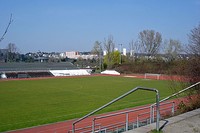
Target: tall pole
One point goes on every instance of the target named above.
(120, 54)
(100, 57)
(157, 110)
(100, 61)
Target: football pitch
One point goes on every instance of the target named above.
(26, 103)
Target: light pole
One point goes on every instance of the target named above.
(120, 54)
(100, 58)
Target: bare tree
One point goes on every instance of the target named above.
(194, 41)
(12, 48)
(97, 49)
(172, 48)
(150, 41)
(6, 30)
(12, 54)
(192, 70)
(194, 49)
(135, 47)
(109, 46)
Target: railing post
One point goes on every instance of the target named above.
(100, 129)
(173, 108)
(157, 111)
(151, 110)
(73, 128)
(153, 114)
(93, 126)
(126, 122)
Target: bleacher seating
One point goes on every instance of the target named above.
(35, 66)
(29, 70)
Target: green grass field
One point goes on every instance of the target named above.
(26, 103)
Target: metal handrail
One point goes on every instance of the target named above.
(123, 112)
(84, 128)
(177, 93)
(119, 113)
(181, 91)
(118, 98)
(131, 111)
(127, 111)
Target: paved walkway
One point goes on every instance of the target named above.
(185, 123)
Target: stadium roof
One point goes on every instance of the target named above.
(22, 66)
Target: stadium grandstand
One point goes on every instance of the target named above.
(32, 70)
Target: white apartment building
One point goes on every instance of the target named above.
(124, 51)
(72, 54)
(76, 55)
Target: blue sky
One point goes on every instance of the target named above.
(74, 25)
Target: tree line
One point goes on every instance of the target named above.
(151, 44)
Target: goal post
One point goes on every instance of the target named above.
(152, 76)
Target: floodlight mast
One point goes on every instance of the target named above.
(120, 62)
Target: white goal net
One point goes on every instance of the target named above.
(152, 76)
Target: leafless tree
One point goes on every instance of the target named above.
(97, 49)
(12, 54)
(194, 49)
(150, 41)
(192, 70)
(135, 46)
(194, 41)
(6, 30)
(109, 46)
(172, 48)
(12, 48)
